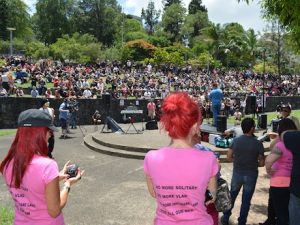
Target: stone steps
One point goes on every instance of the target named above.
(94, 142)
(91, 144)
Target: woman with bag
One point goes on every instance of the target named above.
(32, 177)
(178, 175)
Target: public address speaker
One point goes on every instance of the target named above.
(250, 104)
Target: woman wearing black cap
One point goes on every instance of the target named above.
(32, 177)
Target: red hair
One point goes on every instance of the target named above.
(179, 114)
(29, 141)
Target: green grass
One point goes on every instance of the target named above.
(7, 133)
(28, 84)
(6, 216)
(270, 116)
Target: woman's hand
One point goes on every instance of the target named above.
(63, 173)
(74, 180)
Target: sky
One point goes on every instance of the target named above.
(219, 11)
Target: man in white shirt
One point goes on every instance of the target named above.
(87, 93)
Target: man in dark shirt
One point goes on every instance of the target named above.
(247, 154)
(292, 142)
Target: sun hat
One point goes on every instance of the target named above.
(35, 118)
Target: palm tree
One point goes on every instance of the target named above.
(215, 35)
(250, 44)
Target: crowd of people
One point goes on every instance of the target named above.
(131, 79)
(178, 176)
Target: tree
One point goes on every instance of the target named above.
(52, 19)
(250, 45)
(193, 25)
(101, 18)
(150, 15)
(287, 12)
(14, 13)
(167, 3)
(3, 19)
(77, 48)
(195, 6)
(138, 50)
(172, 21)
(215, 35)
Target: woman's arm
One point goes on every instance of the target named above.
(271, 158)
(53, 197)
(56, 199)
(150, 186)
(212, 187)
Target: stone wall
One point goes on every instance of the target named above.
(11, 107)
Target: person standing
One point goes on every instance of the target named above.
(216, 96)
(63, 118)
(279, 167)
(178, 175)
(286, 111)
(32, 177)
(291, 140)
(45, 107)
(247, 154)
(73, 111)
(151, 107)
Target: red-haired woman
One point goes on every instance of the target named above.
(178, 175)
(32, 177)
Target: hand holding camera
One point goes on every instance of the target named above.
(71, 173)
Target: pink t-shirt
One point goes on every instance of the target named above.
(30, 201)
(180, 178)
(282, 167)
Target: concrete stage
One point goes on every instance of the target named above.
(136, 145)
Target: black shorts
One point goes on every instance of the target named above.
(63, 123)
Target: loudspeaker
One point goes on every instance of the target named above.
(106, 98)
(275, 124)
(151, 125)
(250, 104)
(262, 121)
(113, 125)
(221, 123)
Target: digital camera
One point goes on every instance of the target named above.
(72, 170)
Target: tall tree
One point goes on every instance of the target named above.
(172, 21)
(3, 19)
(14, 13)
(52, 19)
(287, 11)
(250, 44)
(150, 15)
(101, 18)
(215, 34)
(167, 3)
(194, 23)
(195, 6)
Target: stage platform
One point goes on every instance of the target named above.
(135, 145)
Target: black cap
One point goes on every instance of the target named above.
(286, 106)
(43, 101)
(35, 118)
(291, 140)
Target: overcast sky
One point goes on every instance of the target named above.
(219, 11)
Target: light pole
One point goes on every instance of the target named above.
(11, 29)
(263, 81)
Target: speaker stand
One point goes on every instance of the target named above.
(136, 130)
